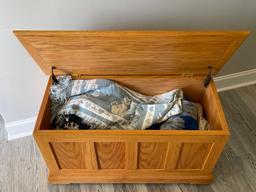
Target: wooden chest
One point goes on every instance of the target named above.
(150, 62)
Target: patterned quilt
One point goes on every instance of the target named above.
(105, 104)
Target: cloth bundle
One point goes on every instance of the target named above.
(104, 104)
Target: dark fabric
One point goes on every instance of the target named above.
(70, 122)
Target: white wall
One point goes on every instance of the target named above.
(22, 82)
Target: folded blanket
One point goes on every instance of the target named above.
(188, 119)
(104, 104)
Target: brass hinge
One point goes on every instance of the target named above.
(187, 74)
(208, 78)
(76, 76)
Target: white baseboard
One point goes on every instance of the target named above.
(22, 128)
(235, 80)
(3, 132)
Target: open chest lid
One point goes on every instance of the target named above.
(131, 52)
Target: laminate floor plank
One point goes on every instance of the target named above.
(23, 170)
(238, 159)
(163, 188)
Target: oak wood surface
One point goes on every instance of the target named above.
(193, 155)
(107, 158)
(192, 87)
(69, 155)
(151, 63)
(235, 171)
(131, 52)
(110, 155)
(213, 109)
(152, 155)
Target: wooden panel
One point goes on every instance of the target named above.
(43, 118)
(131, 155)
(191, 86)
(213, 109)
(131, 52)
(91, 156)
(214, 153)
(152, 155)
(48, 155)
(172, 155)
(193, 155)
(69, 155)
(110, 155)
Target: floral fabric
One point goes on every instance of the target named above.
(104, 104)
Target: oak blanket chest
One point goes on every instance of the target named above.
(150, 62)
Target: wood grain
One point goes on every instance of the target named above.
(151, 155)
(69, 155)
(131, 155)
(172, 155)
(191, 86)
(151, 63)
(193, 155)
(110, 155)
(213, 109)
(91, 158)
(48, 155)
(21, 158)
(131, 52)
(43, 118)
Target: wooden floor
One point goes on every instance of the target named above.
(23, 170)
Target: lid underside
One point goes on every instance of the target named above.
(131, 52)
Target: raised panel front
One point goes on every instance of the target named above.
(110, 155)
(193, 155)
(152, 155)
(69, 155)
